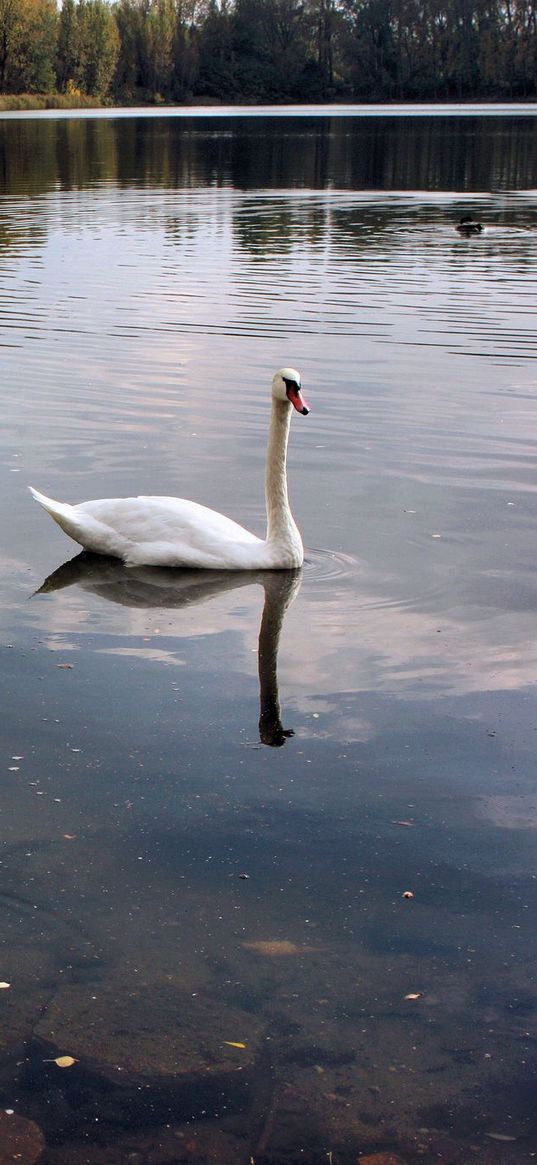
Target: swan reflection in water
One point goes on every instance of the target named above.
(147, 587)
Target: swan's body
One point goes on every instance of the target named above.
(469, 226)
(165, 531)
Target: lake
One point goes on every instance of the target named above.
(268, 871)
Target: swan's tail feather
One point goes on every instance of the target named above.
(82, 528)
(62, 513)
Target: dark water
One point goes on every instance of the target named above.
(206, 913)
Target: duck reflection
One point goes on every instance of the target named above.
(147, 586)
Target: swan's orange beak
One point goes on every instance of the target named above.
(295, 396)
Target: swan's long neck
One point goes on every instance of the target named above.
(281, 528)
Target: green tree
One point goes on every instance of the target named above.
(161, 25)
(95, 42)
(272, 44)
(38, 74)
(68, 52)
(217, 72)
(185, 54)
(129, 24)
(371, 50)
(102, 48)
(11, 37)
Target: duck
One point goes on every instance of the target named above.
(176, 532)
(469, 226)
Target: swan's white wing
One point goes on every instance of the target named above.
(168, 531)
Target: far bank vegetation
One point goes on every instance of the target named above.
(255, 51)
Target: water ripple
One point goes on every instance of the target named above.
(386, 268)
(325, 565)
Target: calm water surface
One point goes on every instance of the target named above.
(206, 912)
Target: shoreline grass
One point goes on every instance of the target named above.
(12, 102)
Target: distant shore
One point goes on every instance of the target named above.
(19, 102)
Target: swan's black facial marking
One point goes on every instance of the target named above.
(293, 390)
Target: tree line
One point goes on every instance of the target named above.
(255, 51)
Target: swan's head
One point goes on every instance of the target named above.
(286, 386)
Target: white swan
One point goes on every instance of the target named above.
(162, 531)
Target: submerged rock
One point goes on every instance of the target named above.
(20, 1140)
(144, 1057)
(156, 1032)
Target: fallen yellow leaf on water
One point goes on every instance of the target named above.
(380, 1159)
(234, 1044)
(276, 947)
(65, 1061)
(4, 986)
